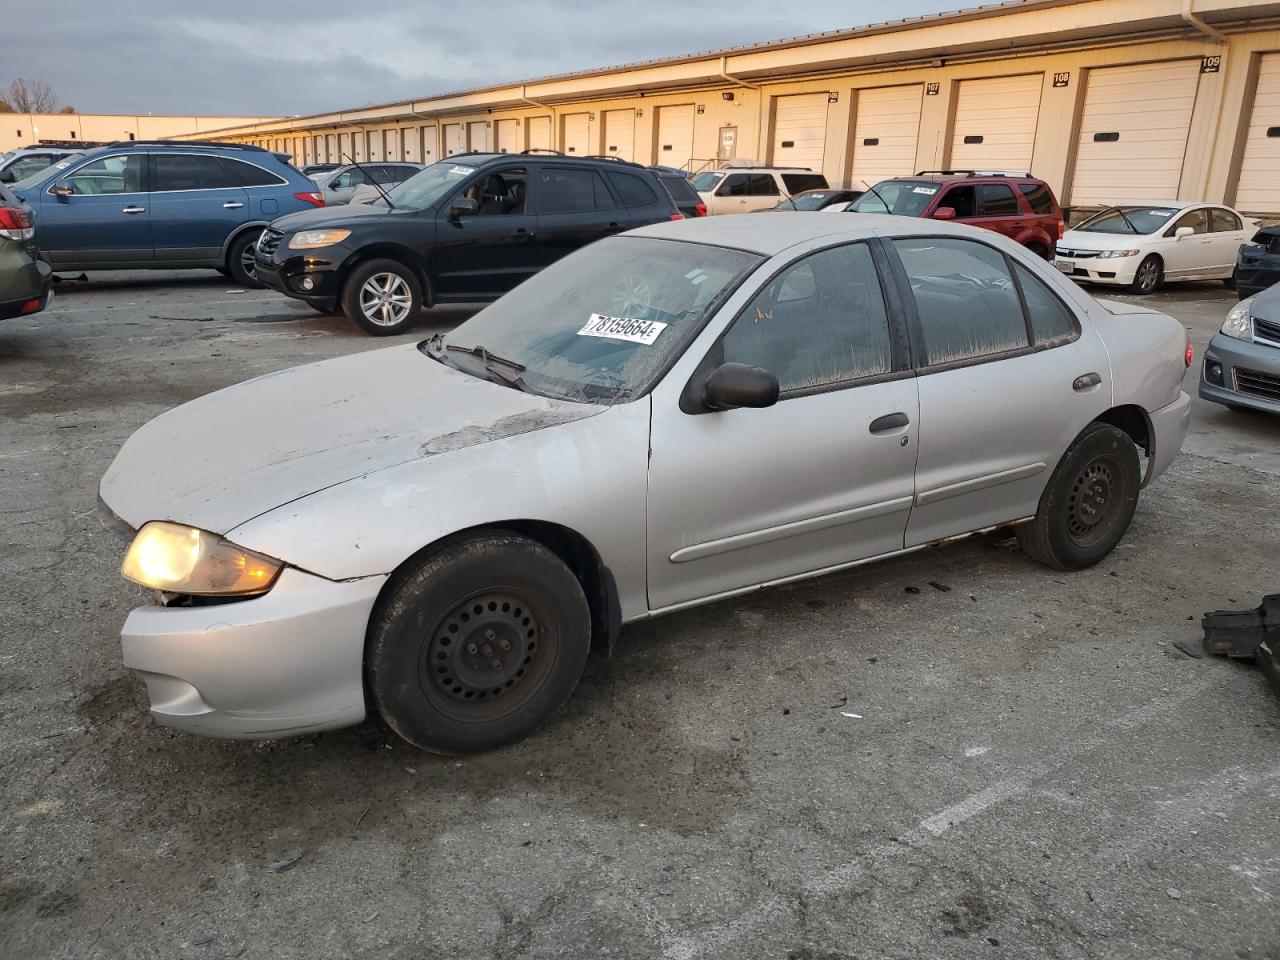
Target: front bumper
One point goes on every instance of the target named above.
(290, 274)
(1112, 270)
(1249, 365)
(286, 663)
(1169, 427)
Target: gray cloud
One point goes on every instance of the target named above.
(251, 58)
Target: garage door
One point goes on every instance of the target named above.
(410, 144)
(391, 145)
(576, 130)
(620, 133)
(477, 135)
(540, 133)
(1259, 190)
(430, 149)
(996, 123)
(675, 135)
(800, 131)
(1133, 132)
(507, 133)
(885, 127)
(454, 139)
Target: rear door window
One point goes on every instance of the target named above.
(1038, 196)
(998, 200)
(189, 171)
(567, 190)
(1222, 221)
(965, 298)
(962, 200)
(799, 182)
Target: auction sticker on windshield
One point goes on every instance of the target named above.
(622, 328)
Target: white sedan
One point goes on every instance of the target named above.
(1142, 245)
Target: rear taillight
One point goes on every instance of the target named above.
(701, 208)
(1190, 353)
(676, 216)
(1061, 229)
(32, 305)
(315, 198)
(15, 224)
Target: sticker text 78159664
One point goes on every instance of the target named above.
(622, 328)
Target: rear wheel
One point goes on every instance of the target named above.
(383, 297)
(1088, 503)
(240, 264)
(1039, 250)
(1149, 276)
(478, 644)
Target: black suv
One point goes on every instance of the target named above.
(463, 230)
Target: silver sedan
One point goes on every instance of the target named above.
(439, 533)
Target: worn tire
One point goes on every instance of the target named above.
(1149, 277)
(366, 272)
(1040, 251)
(241, 248)
(1071, 529)
(329, 308)
(434, 666)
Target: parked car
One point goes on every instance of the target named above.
(818, 199)
(19, 164)
(315, 169)
(339, 185)
(1016, 205)
(24, 278)
(681, 191)
(1258, 263)
(1241, 366)
(744, 189)
(464, 230)
(145, 205)
(439, 532)
(1140, 246)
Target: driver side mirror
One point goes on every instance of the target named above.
(944, 213)
(734, 385)
(1183, 232)
(63, 190)
(463, 206)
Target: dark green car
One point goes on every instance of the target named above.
(24, 278)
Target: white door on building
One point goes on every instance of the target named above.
(1133, 132)
(620, 133)
(478, 135)
(507, 136)
(539, 130)
(995, 126)
(455, 139)
(800, 130)
(675, 135)
(886, 126)
(331, 148)
(430, 149)
(1259, 189)
(391, 144)
(577, 139)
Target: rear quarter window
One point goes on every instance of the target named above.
(250, 175)
(633, 191)
(1038, 196)
(680, 189)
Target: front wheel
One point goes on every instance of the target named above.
(478, 644)
(240, 264)
(1088, 503)
(1149, 276)
(383, 297)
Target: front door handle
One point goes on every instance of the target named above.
(890, 421)
(1086, 382)
(232, 206)
(523, 234)
(134, 210)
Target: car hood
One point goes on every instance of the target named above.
(339, 216)
(1082, 240)
(227, 457)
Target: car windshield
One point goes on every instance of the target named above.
(423, 189)
(706, 181)
(45, 172)
(903, 198)
(1128, 220)
(805, 201)
(601, 325)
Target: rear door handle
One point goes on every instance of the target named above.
(232, 206)
(890, 421)
(524, 234)
(134, 210)
(1086, 382)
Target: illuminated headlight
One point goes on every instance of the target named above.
(314, 239)
(1114, 254)
(176, 558)
(1238, 323)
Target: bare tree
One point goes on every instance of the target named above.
(31, 96)
(6, 106)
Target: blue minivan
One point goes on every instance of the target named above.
(159, 205)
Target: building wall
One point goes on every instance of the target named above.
(28, 129)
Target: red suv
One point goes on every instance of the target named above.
(1017, 205)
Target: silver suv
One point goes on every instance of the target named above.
(21, 163)
(743, 189)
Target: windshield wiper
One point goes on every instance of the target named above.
(1128, 222)
(490, 359)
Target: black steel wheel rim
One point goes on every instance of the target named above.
(1096, 501)
(488, 655)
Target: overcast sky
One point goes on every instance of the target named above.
(250, 57)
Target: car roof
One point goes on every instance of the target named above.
(779, 231)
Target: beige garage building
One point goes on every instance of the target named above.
(1108, 100)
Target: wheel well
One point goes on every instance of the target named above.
(240, 232)
(571, 547)
(391, 251)
(1132, 419)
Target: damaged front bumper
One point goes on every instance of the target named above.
(286, 663)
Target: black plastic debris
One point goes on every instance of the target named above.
(1248, 635)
